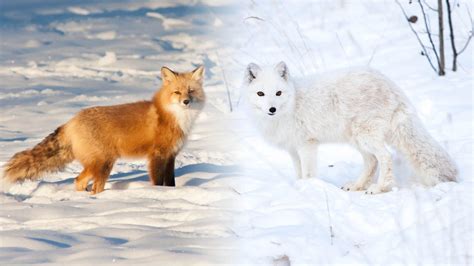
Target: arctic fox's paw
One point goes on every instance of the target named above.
(350, 186)
(376, 189)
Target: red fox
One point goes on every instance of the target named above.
(98, 136)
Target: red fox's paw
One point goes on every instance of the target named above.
(97, 187)
(81, 185)
(82, 180)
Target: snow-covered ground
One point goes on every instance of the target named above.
(58, 58)
(237, 199)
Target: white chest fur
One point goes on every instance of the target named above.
(279, 131)
(185, 117)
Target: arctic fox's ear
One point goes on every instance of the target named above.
(251, 72)
(167, 75)
(282, 70)
(198, 73)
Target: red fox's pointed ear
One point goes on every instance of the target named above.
(198, 73)
(167, 75)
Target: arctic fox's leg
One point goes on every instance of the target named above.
(385, 180)
(371, 140)
(296, 163)
(370, 165)
(308, 154)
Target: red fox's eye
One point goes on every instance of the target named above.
(177, 92)
(260, 93)
(278, 93)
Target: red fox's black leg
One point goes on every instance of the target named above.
(157, 167)
(169, 173)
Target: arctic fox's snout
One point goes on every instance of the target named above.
(272, 110)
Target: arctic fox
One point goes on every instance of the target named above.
(359, 107)
(98, 136)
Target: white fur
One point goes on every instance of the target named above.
(185, 115)
(359, 107)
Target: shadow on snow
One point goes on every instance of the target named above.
(122, 181)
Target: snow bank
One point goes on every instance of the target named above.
(237, 199)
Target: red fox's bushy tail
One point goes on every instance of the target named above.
(50, 155)
(430, 161)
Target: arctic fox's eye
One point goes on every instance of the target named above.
(260, 93)
(177, 92)
(278, 93)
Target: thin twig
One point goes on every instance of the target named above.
(417, 37)
(284, 35)
(451, 31)
(373, 54)
(377, 47)
(308, 50)
(429, 34)
(432, 8)
(225, 82)
(466, 44)
(470, 35)
(331, 231)
(342, 46)
(253, 17)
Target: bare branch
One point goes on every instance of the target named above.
(417, 37)
(373, 54)
(342, 46)
(470, 34)
(453, 43)
(442, 61)
(466, 44)
(432, 8)
(225, 83)
(254, 17)
(451, 35)
(429, 34)
(331, 231)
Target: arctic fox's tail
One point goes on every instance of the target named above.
(430, 161)
(50, 155)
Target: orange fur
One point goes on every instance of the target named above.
(98, 136)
